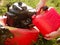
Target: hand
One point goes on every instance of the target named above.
(52, 35)
(40, 4)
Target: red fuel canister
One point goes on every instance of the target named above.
(47, 22)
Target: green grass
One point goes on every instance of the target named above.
(33, 3)
(55, 4)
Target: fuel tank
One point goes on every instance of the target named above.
(47, 22)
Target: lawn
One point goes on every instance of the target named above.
(50, 3)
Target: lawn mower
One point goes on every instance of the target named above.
(17, 22)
